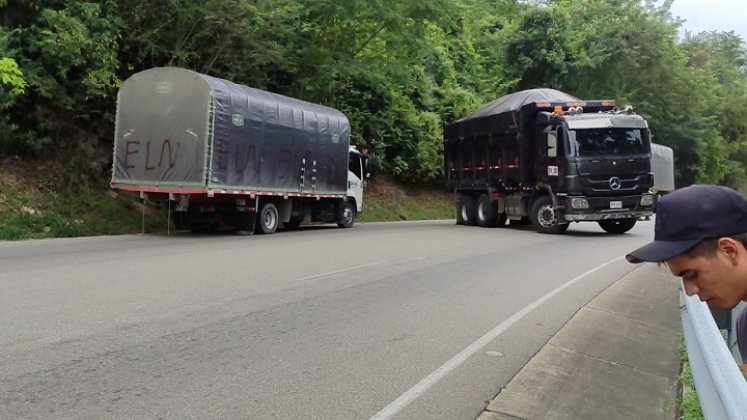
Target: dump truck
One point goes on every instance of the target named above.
(224, 154)
(546, 157)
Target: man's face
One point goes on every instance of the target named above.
(715, 279)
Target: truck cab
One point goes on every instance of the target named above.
(598, 166)
(358, 172)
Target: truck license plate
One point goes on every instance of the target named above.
(616, 204)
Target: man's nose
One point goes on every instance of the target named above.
(690, 288)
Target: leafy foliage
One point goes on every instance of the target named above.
(399, 69)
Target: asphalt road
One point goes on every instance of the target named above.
(409, 320)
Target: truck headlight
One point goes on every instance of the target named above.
(647, 200)
(580, 203)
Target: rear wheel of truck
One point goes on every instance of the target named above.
(617, 226)
(347, 215)
(268, 219)
(544, 218)
(487, 212)
(458, 207)
(466, 213)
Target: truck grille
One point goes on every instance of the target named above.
(616, 185)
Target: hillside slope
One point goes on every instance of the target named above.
(47, 200)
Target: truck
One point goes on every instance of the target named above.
(545, 157)
(229, 155)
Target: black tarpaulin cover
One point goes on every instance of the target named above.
(514, 101)
(180, 129)
(506, 120)
(501, 116)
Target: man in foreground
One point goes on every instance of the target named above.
(701, 235)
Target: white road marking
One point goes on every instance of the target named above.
(421, 387)
(341, 271)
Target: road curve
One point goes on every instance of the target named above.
(403, 320)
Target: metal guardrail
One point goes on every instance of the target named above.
(721, 387)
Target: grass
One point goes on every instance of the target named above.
(34, 206)
(385, 201)
(49, 200)
(689, 405)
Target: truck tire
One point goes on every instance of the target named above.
(545, 218)
(466, 212)
(458, 207)
(268, 219)
(617, 226)
(487, 212)
(347, 215)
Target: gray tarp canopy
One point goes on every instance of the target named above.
(180, 130)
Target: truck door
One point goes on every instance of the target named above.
(355, 178)
(548, 151)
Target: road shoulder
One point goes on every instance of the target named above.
(616, 358)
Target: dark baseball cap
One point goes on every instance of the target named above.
(690, 215)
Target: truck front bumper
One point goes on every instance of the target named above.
(606, 208)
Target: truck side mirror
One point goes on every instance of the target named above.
(366, 167)
(552, 144)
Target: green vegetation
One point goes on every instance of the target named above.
(33, 206)
(386, 202)
(40, 206)
(398, 68)
(689, 406)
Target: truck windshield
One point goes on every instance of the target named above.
(606, 141)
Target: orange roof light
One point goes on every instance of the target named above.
(558, 109)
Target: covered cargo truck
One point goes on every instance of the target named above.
(662, 166)
(233, 155)
(548, 157)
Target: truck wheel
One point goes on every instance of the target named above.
(466, 213)
(458, 206)
(487, 212)
(268, 219)
(617, 226)
(545, 218)
(347, 215)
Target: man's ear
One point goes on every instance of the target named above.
(732, 248)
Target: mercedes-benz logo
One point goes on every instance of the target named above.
(615, 183)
